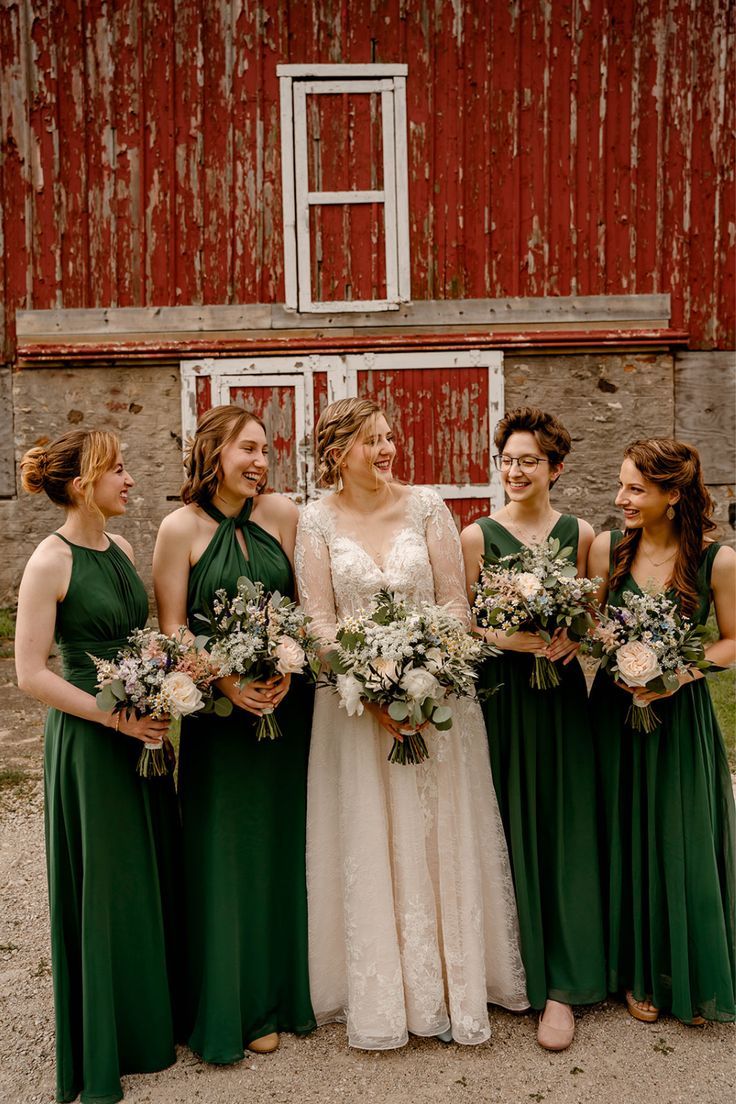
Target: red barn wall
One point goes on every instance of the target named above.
(557, 147)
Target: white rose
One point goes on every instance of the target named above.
(290, 656)
(180, 694)
(637, 663)
(420, 684)
(527, 584)
(385, 669)
(350, 690)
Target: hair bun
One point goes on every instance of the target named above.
(33, 467)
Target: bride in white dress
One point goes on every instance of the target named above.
(412, 919)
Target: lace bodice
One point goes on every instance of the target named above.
(337, 575)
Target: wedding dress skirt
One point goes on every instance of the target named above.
(412, 918)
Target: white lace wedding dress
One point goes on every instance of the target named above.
(412, 919)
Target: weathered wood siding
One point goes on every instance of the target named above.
(556, 147)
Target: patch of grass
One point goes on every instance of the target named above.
(723, 692)
(13, 779)
(7, 622)
(7, 632)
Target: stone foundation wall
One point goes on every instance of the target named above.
(604, 400)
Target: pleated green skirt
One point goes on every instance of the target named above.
(544, 773)
(244, 822)
(667, 818)
(112, 860)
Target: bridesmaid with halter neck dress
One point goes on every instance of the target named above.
(540, 744)
(243, 801)
(111, 837)
(667, 808)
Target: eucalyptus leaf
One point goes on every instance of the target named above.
(441, 715)
(398, 710)
(223, 707)
(105, 699)
(117, 686)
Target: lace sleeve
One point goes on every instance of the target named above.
(445, 555)
(314, 578)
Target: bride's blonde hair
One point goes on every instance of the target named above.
(339, 427)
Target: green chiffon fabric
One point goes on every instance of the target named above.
(112, 851)
(243, 804)
(544, 773)
(667, 817)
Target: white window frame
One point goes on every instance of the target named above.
(262, 371)
(342, 382)
(490, 359)
(296, 83)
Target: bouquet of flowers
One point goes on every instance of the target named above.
(257, 635)
(407, 659)
(646, 643)
(535, 590)
(158, 675)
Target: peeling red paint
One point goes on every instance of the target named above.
(563, 147)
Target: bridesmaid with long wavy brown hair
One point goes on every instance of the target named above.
(243, 801)
(667, 807)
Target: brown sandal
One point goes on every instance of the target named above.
(645, 1015)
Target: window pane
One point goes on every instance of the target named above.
(348, 252)
(344, 144)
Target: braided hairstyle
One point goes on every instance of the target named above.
(672, 465)
(339, 427)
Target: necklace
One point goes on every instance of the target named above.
(658, 563)
(541, 529)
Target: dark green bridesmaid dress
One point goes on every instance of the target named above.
(667, 816)
(243, 804)
(544, 772)
(112, 850)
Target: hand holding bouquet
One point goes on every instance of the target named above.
(158, 675)
(645, 644)
(407, 659)
(258, 635)
(536, 590)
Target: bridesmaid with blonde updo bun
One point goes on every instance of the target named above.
(111, 836)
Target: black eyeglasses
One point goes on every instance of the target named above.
(526, 463)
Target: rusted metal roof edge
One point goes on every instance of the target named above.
(41, 355)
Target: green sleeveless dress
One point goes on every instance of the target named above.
(112, 851)
(243, 804)
(667, 817)
(544, 773)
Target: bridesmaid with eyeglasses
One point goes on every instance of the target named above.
(540, 742)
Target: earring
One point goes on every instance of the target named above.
(671, 513)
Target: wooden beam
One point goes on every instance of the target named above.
(40, 354)
(646, 311)
(327, 71)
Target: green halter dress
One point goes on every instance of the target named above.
(667, 818)
(544, 773)
(112, 852)
(243, 805)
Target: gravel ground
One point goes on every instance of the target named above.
(614, 1060)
